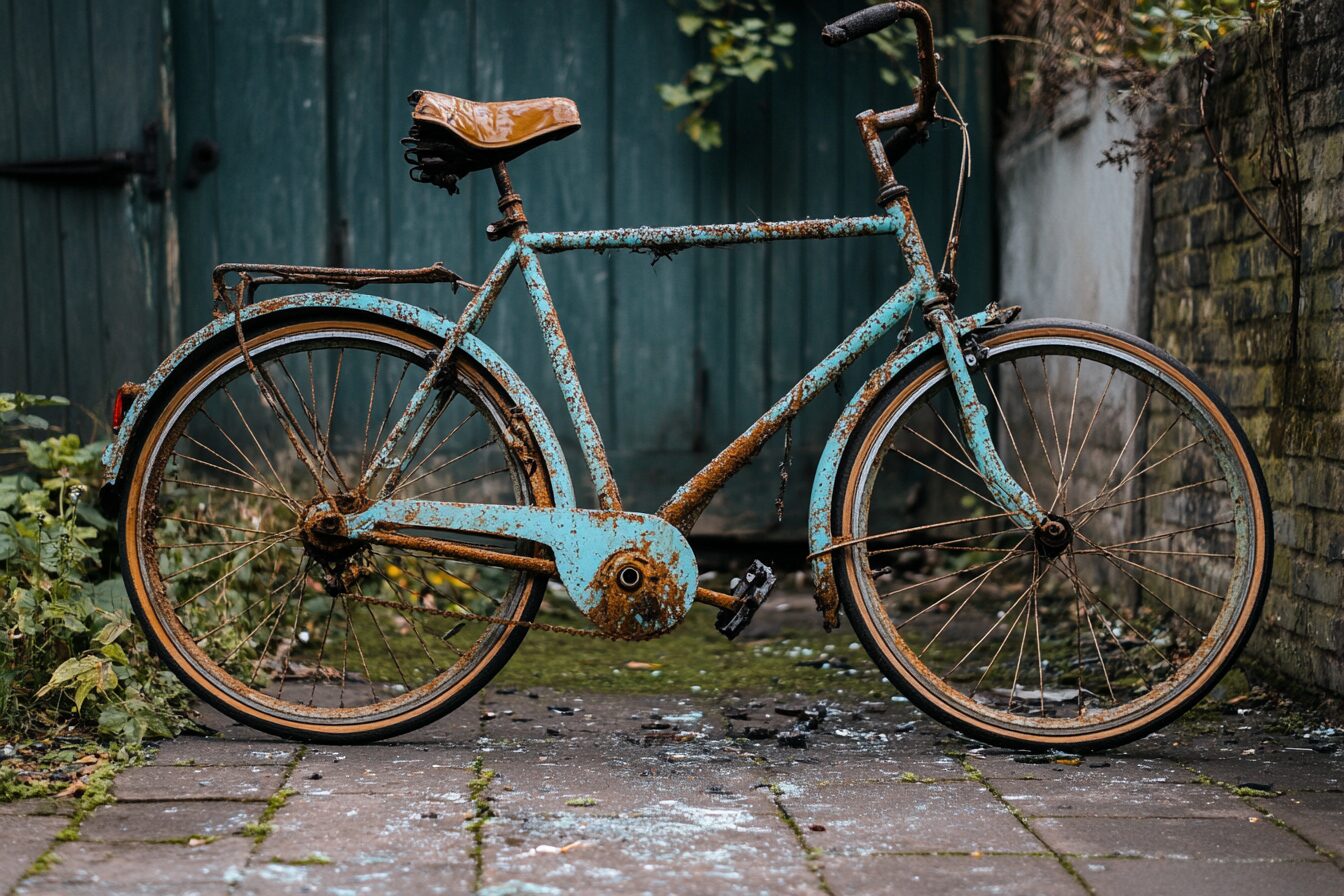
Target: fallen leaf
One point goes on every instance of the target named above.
(75, 788)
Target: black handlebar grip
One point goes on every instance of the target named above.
(861, 23)
(874, 19)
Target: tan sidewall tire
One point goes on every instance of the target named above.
(869, 627)
(150, 614)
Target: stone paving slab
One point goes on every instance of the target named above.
(1007, 765)
(856, 819)
(1122, 799)
(36, 806)
(369, 830)
(111, 868)
(1136, 877)
(221, 782)
(217, 751)
(1295, 770)
(821, 766)
(25, 837)
(169, 820)
(715, 846)
(394, 769)
(1316, 816)
(339, 879)
(524, 786)
(1250, 838)
(991, 875)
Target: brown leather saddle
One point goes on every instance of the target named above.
(452, 137)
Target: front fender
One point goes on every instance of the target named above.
(820, 525)
(205, 339)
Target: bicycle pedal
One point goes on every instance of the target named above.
(751, 591)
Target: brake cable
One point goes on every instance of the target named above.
(949, 265)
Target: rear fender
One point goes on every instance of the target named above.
(205, 341)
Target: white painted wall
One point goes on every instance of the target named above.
(1073, 236)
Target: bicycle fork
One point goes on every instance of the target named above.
(1021, 507)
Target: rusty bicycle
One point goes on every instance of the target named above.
(340, 513)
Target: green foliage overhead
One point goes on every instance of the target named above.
(1163, 32)
(1051, 45)
(742, 39)
(746, 39)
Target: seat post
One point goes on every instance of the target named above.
(510, 203)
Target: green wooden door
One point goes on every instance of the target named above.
(87, 303)
(306, 102)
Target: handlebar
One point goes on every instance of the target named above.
(874, 19)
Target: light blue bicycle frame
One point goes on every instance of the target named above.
(683, 508)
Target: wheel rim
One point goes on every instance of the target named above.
(313, 631)
(964, 638)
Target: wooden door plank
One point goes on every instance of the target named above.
(271, 107)
(654, 304)
(828, 136)
(14, 355)
(196, 118)
(80, 277)
(35, 87)
(359, 135)
(431, 51)
(127, 52)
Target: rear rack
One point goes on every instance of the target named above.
(251, 277)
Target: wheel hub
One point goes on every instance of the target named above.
(324, 532)
(1053, 537)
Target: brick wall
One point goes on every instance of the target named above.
(1220, 302)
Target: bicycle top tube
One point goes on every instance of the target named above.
(692, 235)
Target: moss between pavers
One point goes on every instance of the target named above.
(482, 813)
(260, 829)
(696, 659)
(97, 792)
(313, 859)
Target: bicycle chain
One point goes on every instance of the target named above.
(480, 617)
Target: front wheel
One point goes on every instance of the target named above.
(1081, 641)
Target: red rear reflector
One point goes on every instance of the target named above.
(122, 403)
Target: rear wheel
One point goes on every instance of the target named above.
(283, 628)
(1115, 620)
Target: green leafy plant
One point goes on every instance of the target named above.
(1053, 45)
(1163, 32)
(70, 656)
(746, 39)
(742, 39)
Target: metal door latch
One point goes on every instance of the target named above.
(105, 169)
